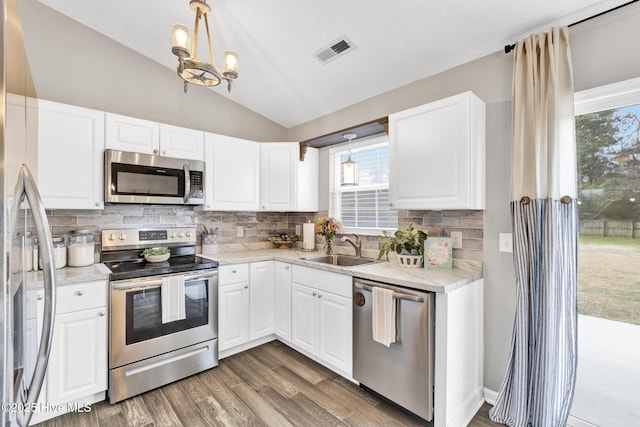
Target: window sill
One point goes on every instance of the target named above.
(365, 231)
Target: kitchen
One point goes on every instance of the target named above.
(488, 77)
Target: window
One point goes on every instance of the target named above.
(363, 208)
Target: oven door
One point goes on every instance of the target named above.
(137, 331)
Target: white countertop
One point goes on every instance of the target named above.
(441, 281)
(70, 275)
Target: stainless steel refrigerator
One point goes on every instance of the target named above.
(23, 355)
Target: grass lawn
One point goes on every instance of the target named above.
(609, 278)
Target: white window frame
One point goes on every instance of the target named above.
(334, 180)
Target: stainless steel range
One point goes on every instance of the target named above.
(163, 315)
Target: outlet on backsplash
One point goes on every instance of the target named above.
(240, 231)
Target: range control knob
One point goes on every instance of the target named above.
(188, 234)
(112, 236)
(172, 235)
(122, 236)
(180, 234)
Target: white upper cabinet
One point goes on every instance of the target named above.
(278, 171)
(307, 182)
(131, 134)
(70, 156)
(182, 143)
(144, 136)
(437, 155)
(232, 174)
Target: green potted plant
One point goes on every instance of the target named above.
(407, 244)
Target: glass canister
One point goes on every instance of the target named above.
(81, 248)
(60, 251)
(28, 251)
(59, 244)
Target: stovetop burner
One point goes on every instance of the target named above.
(140, 268)
(122, 252)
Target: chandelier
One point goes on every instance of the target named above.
(190, 68)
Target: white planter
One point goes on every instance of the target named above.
(406, 260)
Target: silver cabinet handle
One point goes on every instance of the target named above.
(234, 271)
(79, 293)
(155, 151)
(314, 294)
(164, 152)
(102, 314)
(287, 267)
(319, 295)
(40, 297)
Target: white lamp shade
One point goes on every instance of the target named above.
(181, 37)
(230, 69)
(349, 172)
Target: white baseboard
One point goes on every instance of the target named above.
(246, 346)
(490, 396)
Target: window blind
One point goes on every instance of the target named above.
(366, 205)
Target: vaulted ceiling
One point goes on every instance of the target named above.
(395, 42)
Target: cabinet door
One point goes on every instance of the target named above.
(21, 138)
(335, 330)
(283, 300)
(232, 174)
(261, 299)
(181, 143)
(278, 170)
(78, 361)
(307, 182)
(70, 156)
(437, 155)
(303, 317)
(131, 134)
(233, 315)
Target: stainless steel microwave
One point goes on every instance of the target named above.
(148, 179)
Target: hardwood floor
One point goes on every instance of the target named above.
(271, 385)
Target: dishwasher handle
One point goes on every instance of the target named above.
(396, 295)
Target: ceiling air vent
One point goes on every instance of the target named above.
(336, 48)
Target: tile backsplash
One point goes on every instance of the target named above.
(258, 226)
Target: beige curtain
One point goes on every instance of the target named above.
(543, 150)
(539, 384)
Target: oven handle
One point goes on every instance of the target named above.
(136, 285)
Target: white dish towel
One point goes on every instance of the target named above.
(172, 294)
(383, 316)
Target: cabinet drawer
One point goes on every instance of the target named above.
(233, 273)
(339, 284)
(82, 296)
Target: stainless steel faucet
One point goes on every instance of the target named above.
(357, 245)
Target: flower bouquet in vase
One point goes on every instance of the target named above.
(328, 227)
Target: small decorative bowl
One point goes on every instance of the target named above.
(157, 258)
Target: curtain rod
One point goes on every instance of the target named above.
(508, 48)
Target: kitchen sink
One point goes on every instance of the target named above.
(344, 260)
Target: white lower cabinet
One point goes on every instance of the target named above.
(233, 306)
(261, 299)
(321, 317)
(282, 291)
(246, 300)
(77, 370)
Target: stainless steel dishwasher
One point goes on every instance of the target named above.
(403, 372)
